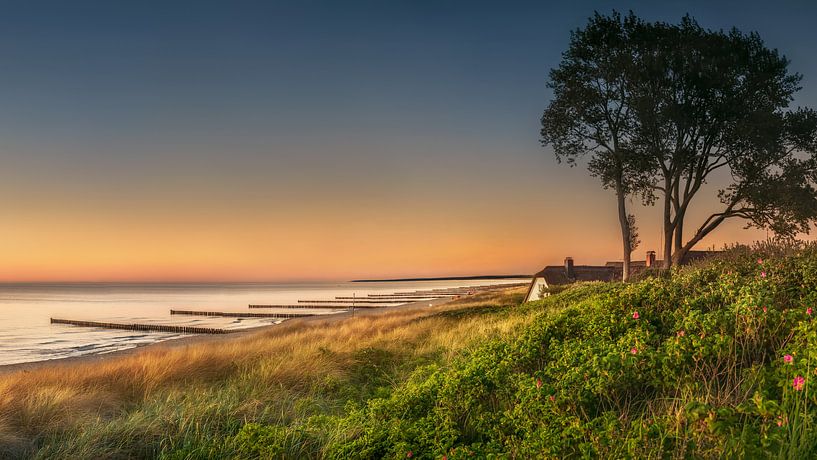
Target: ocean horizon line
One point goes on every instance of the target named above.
(255, 283)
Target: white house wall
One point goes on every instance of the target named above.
(538, 285)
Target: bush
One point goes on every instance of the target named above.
(690, 365)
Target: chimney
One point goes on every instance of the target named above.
(569, 267)
(650, 259)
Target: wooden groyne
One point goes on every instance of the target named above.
(356, 302)
(144, 327)
(386, 300)
(231, 314)
(337, 307)
(464, 290)
(299, 306)
(368, 300)
(409, 296)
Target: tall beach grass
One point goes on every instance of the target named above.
(162, 399)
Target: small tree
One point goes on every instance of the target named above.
(633, 232)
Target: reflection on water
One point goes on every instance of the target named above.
(26, 333)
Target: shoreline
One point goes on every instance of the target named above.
(102, 358)
(445, 278)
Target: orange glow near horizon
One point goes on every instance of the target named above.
(428, 226)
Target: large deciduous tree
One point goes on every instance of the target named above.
(662, 107)
(714, 100)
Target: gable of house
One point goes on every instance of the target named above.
(556, 275)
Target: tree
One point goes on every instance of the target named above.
(711, 101)
(591, 112)
(662, 107)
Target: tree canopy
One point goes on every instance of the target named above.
(687, 102)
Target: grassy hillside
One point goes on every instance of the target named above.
(708, 362)
(711, 362)
(189, 402)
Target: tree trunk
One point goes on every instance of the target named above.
(625, 232)
(710, 224)
(678, 253)
(679, 232)
(666, 263)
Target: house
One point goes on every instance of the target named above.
(637, 266)
(555, 275)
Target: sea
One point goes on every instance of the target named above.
(27, 334)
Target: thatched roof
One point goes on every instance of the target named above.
(556, 275)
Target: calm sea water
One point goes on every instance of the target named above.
(26, 333)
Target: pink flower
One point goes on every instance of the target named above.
(760, 261)
(788, 359)
(762, 274)
(680, 333)
(765, 309)
(798, 382)
(409, 454)
(636, 315)
(809, 311)
(634, 350)
(538, 383)
(552, 398)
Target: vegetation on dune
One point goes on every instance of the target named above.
(183, 402)
(710, 361)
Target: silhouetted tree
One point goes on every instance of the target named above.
(715, 100)
(660, 107)
(591, 112)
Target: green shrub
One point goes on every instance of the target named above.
(697, 372)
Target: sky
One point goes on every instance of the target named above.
(309, 140)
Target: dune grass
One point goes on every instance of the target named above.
(716, 360)
(711, 361)
(181, 401)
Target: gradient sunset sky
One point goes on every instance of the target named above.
(306, 140)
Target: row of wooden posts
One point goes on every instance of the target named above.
(230, 314)
(362, 302)
(144, 327)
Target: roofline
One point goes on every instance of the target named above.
(540, 272)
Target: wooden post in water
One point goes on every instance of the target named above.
(230, 314)
(143, 327)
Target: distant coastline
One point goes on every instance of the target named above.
(444, 278)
